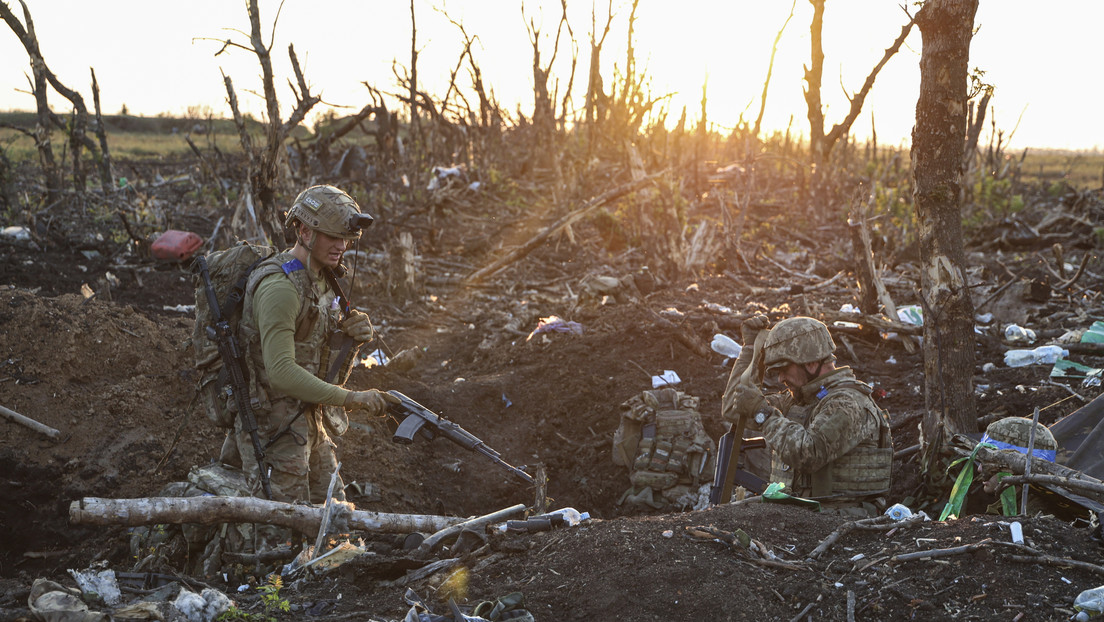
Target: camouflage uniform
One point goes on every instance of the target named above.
(832, 441)
(827, 440)
(300, 453)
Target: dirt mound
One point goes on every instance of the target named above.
(111, 372)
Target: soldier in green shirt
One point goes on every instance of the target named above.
(291, 328)
(828, 439)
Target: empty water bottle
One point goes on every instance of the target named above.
(1043, 355)
(722, 344)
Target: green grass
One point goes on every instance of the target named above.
(1080, 169)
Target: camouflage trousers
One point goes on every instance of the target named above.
(300, 457)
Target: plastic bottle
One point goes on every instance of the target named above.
(722, 344)
(571, 516)
(898, 511)
(1043, 355)
(1090, 601)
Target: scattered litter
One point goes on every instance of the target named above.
(1094, 334)
(983, 318)
(668, 533)
(892, 360)
(988, 368)
(1018, 334)
(1069, 370)
(506, 401)
(911, 314)
(16, 233)
(376, 357)
(898, 511)
(672, 313)
(1017, 532)
(667, 379)
(723, 344)
(553, 323)
(1043, 355)
(849, 308)
(179, 308)
(100, 583)
(1090, 603)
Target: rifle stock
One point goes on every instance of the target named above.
(230, 352)
(415, 418)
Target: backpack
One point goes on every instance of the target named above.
(662, 442)
(229, 270)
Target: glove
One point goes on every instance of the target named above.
(373, 402)
(749, 330)
(358, 326)
(746, 403)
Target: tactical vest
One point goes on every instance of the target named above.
(315, 323)
(664, 445)
(862, 472)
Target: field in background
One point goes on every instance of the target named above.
(145, 137)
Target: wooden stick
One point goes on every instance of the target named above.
(30, 423)
(547, 232)
(213, 510)
(429, 543)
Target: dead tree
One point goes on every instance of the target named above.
(544, 109)
(820, 144)
(770, 69)
(938, 139)
(264, 161)
(78, 139)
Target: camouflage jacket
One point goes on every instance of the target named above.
(832, 440)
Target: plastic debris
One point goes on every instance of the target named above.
(911, 314)
(1017, 532)
(666, 379)
(1043, 355)
(1094, 334)
(898, 511)
(101, 583)
(1090, 602)
(17, 233)
(1018, 334)
(1069, 370)
(552, 324)
(723, 344)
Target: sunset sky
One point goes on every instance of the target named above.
(153, 59)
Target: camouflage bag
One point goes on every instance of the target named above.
(662, 442)
(229, 270)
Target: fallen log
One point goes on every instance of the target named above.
(213, 510)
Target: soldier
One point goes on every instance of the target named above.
(291, 323)
(828, 439)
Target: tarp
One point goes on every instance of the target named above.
(1080, 437)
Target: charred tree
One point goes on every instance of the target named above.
(264, 161)
(821, 143)
(938, 139)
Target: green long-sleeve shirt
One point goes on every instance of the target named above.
(275, 306)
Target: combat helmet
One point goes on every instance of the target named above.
(1015, 433)
(329, 210)
(797, 340)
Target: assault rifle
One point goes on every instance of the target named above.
(414, 418)
(233, 361)
(732, 442)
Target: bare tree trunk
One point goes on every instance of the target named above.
(212, 510)
(937, 143)
(813, 73)
(770, 70)
(107, 180)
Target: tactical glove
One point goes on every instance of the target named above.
(358, 326)
(747, 403)
(749, 330)
(373, 402)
